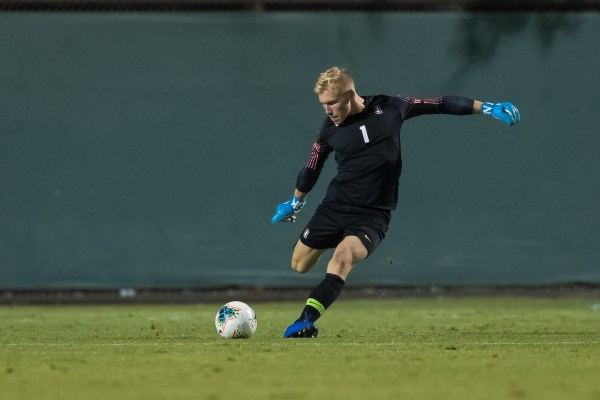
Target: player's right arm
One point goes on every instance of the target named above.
(309, 174)
(307, 178)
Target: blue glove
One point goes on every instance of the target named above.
(505, 112)
(286, 211)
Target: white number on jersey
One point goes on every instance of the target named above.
(363, 129)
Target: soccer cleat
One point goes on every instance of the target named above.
(301, 329)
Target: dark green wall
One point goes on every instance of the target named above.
(151, 149)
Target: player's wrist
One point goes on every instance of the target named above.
(297, 203)
(301, 196)
(487, 108)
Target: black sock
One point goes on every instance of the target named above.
(322, 297)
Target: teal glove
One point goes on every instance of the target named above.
(287, 211)
(505, 112)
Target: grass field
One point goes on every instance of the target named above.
(463, 348)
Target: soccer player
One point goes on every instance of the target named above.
(364, 133)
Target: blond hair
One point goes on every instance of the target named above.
(335, 78)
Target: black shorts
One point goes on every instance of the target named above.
(331, 224)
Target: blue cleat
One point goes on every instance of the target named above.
(301, 329)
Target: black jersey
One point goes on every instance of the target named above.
(367, 149)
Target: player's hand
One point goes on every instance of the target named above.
(286, 212)
(505, 112)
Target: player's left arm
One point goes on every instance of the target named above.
(457, 105)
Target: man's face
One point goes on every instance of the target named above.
(337, 105)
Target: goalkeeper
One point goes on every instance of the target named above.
(364, 133)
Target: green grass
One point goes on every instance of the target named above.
(475, 348)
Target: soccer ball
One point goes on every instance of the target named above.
(236, 320)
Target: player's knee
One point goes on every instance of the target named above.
(300, 265)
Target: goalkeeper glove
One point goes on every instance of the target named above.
(286, 211)
(505, 112)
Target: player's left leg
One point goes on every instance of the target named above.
(347, 254)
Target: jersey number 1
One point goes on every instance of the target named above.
(363, 129)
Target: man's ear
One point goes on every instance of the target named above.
(349, 95)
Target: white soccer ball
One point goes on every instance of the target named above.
(236, 320)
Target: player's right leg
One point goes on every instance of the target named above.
(323, 231)
(304, 257)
